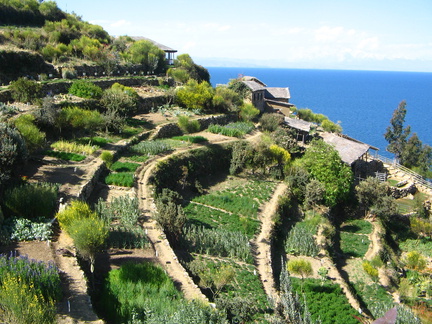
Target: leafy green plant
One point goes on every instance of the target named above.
(33, 137)
(123, 209)
(218, 242)
(32, 200)
(76, 210)
(151, 147)
(107, 157)
(370, 270)
(126, 237)
(85, 89)
(300, 240)
(22, 229)
(187, 125)
(325, 301)
(25, 90)
(415, 261)
(238, 129)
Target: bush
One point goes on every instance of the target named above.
(370, 270)
(195, 95)
(248, 112)
(34, 138)
(270, 122)
(415, 261)
(32, 200)
(187, 125)
(77, 210)
(69, 73)
(24, 90)
(88, 120)
(119, 100)
(85, 89)
(300, 267)
(107, 157)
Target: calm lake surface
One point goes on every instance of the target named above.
(363, 101)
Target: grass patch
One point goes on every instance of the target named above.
(124, 166)
(65, 155)
(357, 226)
(354, 245)
(150, 147)
(122, 179)
(190, 139)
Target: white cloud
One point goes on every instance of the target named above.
(120, 23)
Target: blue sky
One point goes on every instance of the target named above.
(328, 34)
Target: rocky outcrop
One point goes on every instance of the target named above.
(409, 189)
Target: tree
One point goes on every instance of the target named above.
(324, 164)
(314, 194)
(147, 54)
(417, 156)
(370, 193)
(195, 95)
(226, 100)
(89, 235)
(271, 122)
(170, 214)
(396, 134)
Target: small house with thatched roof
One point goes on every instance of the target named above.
(300, 126)
(263, 97)
(350, 150)
(169, 52)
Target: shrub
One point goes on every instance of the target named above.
(75, 117)
(226, 100)
(85, 89)
(107, 157)
(187, 125)
(415, 261)
(33, 137)
(195, 95)
(270, 122)
(32, 200)
(77, 210)
(370, 270)
(119, 99)
(248, 112)
(300, 267)
(69, 73)
(25, 90)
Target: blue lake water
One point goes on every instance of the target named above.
(363, 101)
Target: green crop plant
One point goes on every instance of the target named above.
(300, 240)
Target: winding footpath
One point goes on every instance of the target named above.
(263, 258)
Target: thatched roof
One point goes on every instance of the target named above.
(298, 124)
(162, 47)
(277, 93)
(350, 150)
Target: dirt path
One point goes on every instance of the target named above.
(163, 251)
(76, 306)
(263, 243)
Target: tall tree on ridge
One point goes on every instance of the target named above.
(396, 134)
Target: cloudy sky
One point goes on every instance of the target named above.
(328, 34)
